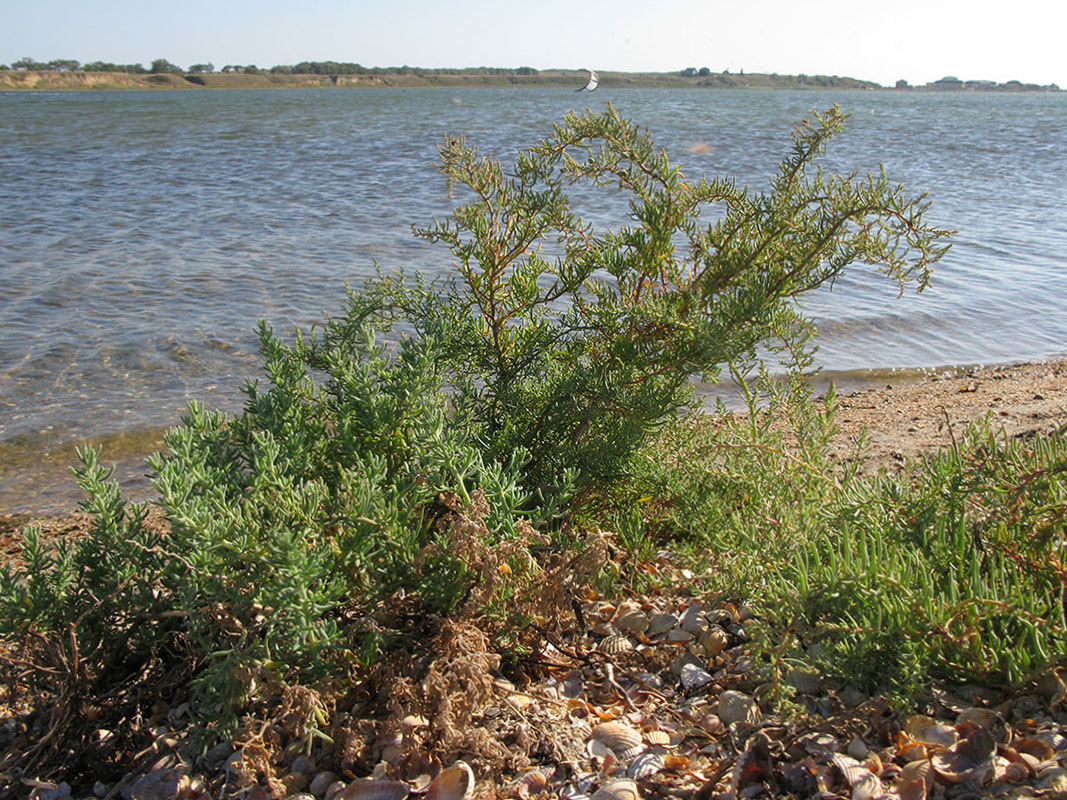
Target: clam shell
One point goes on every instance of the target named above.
(645, 765)
(971, 759)
(738, 707)
(678, 636)
(714, 640)
(693, 620)
(632, 620)
(624, 741)
(1038, 748)
(370, 789)
(685, 658)
(661, 623)
(988, 719)
(617, 789)
(918, 771)
(615, 644)
(454, 783)
(694, 677)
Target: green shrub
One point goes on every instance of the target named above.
(521, 390)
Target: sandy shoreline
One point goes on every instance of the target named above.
(902, 420)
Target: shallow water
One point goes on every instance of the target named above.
(142, 234)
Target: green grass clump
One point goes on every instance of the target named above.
(951, 571)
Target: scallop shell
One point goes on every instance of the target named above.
(661, 623)
(632, 620)
(714, 640)
(454, 783)
(615, 644)
(645, 766)
(375, 790)
(918, 771)
(658, 737)
(618, 789)
(738, 707)
(624, 741)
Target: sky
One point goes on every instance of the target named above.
(915, 40)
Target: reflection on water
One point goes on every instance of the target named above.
(143, 234)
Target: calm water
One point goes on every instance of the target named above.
(143, 234)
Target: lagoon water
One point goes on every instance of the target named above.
(142, 234)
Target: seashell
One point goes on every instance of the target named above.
(645, 766)
(822, 744)
(738, 707)
(873, 763)
(1015, 772)
(804, 682)
(857, 748)
(937, 735)
(615, 644)
(604, 629)
(853, 770)
(738, 632)
(1038, 748)
(658, 738)
(714, 640)
(334, 790)
(867, 787)
(694, 677)
(693, 620)
(624, 741)
(453, 783)
(661, 623)
(533, 782)
(922, 771)
(1055, 740)
(680, 662)
(322, 782)
(988, 719)
(632, 620)
(159, 785)
(618, 789)
(913, 751)
(370, 789)
(678, 636)
(971, 759)
(712, 724)
(911, 790)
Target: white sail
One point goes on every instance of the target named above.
(594, 81)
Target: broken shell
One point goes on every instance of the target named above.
(632, 620)
(454, 783)
(604, 629)
(1053, 780)
(615, 644)
(678, 664)
(694, 677)
(714, 640)
(625, 742)
(371, 789)
(645, 766)
(618, 789)
(661, 623)
(738, 707)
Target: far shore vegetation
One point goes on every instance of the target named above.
(67, 74)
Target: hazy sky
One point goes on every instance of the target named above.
(918, 40)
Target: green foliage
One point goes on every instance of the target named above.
(574, 344)
(162, 66)
(952, 571)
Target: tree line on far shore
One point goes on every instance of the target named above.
(163, 66)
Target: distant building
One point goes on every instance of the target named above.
(949, 82)
(689, 72)
(903, 84)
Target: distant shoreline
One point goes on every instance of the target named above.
(23, 80)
